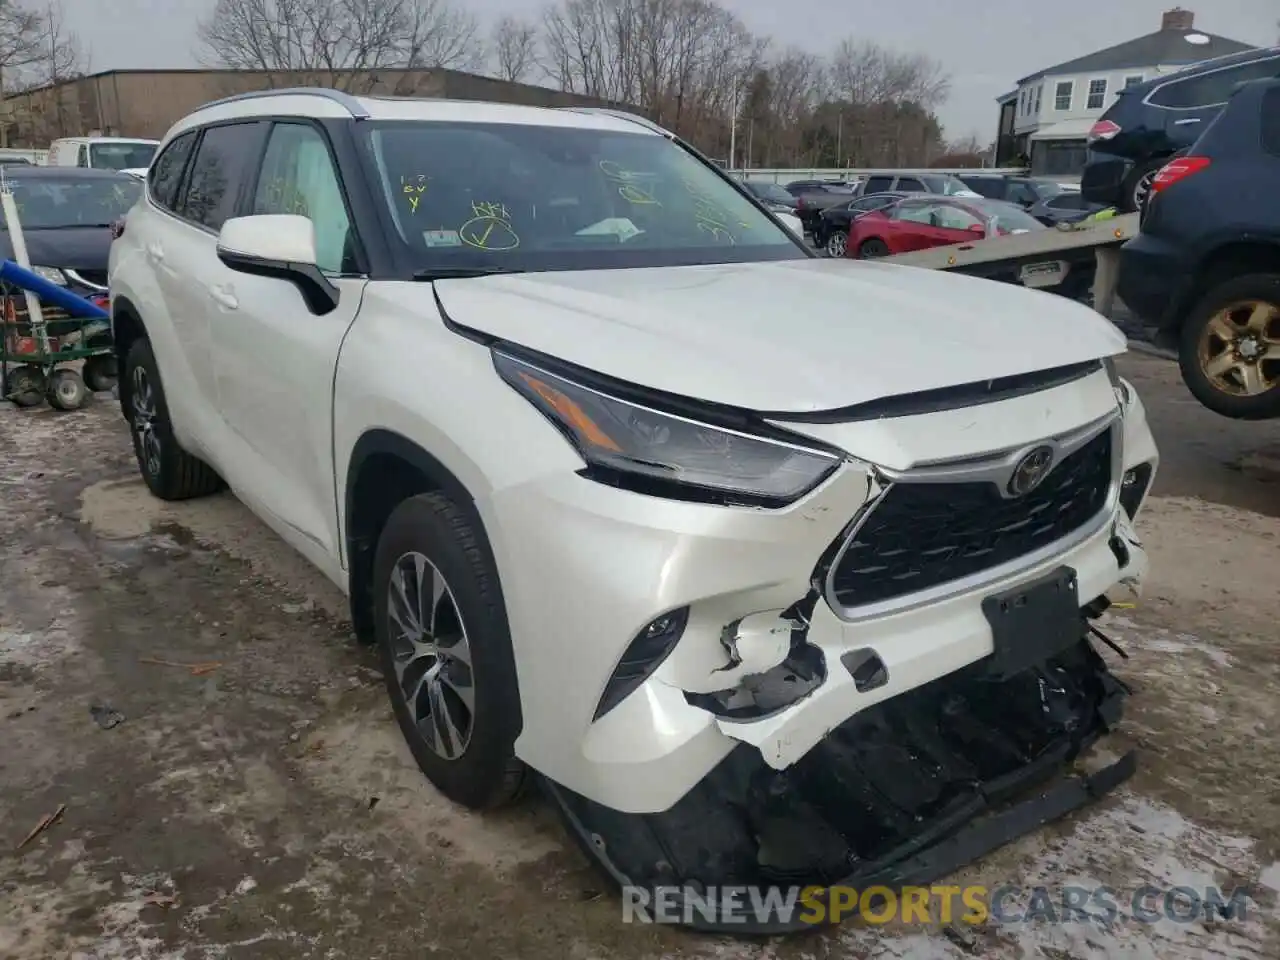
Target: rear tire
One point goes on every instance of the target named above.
(872, 249)
(1220, 341)
(169, 471)
(429, 540)
(837, 245)
(1137, 186)
(100, 373)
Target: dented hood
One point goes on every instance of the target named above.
(792, 336)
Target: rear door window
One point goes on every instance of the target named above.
(225, 155)
(878, 184)
(909, 185)
(166, 173)
(1020, 192)
(991, 187)
(1212, 88)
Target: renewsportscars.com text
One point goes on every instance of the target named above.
(1008, 904)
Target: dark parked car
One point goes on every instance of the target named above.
(1152, 121)
(1048, 201)
(1205, 270)
(67, 214)
(832, 230)
(814, 196)
(771, 195)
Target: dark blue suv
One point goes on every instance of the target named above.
(1152, 122)
(1205, 269)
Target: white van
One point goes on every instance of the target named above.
(103, 153)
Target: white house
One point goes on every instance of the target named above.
(1047, 118)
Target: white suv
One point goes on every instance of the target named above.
(633, 490)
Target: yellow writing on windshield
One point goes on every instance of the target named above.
(490, 228)
(413, 188)
(634, 187)
(711, 218)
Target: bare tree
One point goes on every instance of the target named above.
(36, 53)
(515, 48)
(340, 43)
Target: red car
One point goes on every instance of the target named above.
(920, 222)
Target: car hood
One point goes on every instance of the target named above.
(72, 248)
(793, 336)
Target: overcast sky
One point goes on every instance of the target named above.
(986, 46)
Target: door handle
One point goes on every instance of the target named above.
(155, 252)
(1182, 123)
(224, 297)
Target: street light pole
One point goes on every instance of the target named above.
(733, 131)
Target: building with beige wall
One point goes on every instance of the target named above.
(145, 103)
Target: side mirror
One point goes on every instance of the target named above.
(977, 229)
(280, 246)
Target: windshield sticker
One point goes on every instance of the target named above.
(710, 216)
(619, 227)
(441, 238)
(490, 228)
(631, 184)
(413, 188)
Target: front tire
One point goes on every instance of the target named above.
(1229, 348)
(837, 245)
(169, 471)
(446, 652)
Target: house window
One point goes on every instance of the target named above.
(1039, 91)
(1132, 81)
(1097, 94)
(1062, 95)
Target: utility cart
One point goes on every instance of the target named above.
(45, 329)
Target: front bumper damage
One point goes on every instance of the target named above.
(903, 793)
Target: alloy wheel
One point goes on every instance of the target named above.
(432, 655)
(143, 402)
(836, 245)
(1239, 350)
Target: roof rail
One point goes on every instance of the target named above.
(623, 115)
(343, 99)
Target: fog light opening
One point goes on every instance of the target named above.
(652, 645)
(1133, 489)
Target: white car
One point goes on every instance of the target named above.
(768, 564)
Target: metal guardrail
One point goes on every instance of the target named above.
(784, 175)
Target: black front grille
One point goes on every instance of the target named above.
(923, 535)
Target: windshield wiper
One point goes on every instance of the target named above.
(461, 273)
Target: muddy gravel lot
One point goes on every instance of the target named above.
(231, 784)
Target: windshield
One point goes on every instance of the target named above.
(771, 191)
(523, 197)
(1009, 218)
(47, 203)
(121, 155)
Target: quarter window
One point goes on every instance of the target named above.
(298, 177)
(166, 173)
(1062, 95)
(217, 172)
(1097, 94)
(1213, 88)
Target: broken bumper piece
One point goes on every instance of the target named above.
(903, 793)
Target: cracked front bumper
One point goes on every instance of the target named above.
(585, 567)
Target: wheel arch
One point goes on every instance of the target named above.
(386, 468)
(126, 329)
(1227, 259)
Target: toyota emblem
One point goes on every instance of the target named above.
(1030, 471)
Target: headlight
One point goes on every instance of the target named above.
(666, 454)
(52, 274)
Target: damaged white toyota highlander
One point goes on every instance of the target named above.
(770, 569)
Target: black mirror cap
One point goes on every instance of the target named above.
(318, 292)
